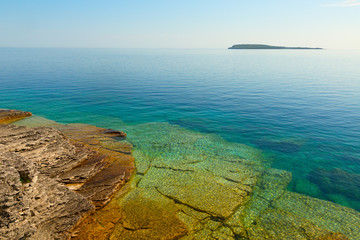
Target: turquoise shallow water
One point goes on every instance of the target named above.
(301, 108)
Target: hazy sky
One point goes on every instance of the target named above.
(179, 23)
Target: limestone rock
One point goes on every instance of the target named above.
(275, 224)
(110, 169)
(50, 150)
(324, 214)
(200, 190)
(198, 186)
(39, 166)
(114, 133)
(7, 116)
(32, 204)
(146, 218)
(218, 191)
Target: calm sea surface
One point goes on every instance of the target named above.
(301, 107)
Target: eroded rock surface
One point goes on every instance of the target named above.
(33, 205)
(50, 178)
(7, 116)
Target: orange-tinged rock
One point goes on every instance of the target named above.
(334, 236)
(100, 224)
(9, 116)
(148, 218)
(88, 164)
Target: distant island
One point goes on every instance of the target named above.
(262, 46)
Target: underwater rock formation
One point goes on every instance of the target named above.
(337, 181)
(50, 178)
(199, 186)
(114, 133)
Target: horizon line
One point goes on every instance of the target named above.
(154, 48)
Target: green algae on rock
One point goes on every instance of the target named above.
(221, 190)
(147, 217)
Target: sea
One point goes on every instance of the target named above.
(301, 108)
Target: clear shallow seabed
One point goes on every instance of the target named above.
(301, 108)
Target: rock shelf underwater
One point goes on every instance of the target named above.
(190, 185)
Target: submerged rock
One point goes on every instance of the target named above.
(349, 159)
(323, 214)
(201, 187)
(114, 133)
(275, 213)
(148, 218)
(337, 181)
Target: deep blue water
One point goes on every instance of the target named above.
(301, 107)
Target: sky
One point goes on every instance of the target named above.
(332, 24)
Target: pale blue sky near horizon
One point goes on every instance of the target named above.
(332, 24)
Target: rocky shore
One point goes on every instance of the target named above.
(74, 182)
(51, 178)
(8, 116)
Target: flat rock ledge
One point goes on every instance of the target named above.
(51, 178)
(7, 116)
(198, 186)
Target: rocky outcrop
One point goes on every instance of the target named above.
(34, 205)
(50, 178)
(7, 116)
(100, 176)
